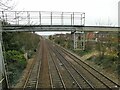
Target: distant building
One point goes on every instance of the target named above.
(119, 14)
(90, 35)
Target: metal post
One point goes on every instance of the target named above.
(3, 15)
(40, 17)
(6, 17)
(28, 16)
(16, 17)
(84, 41)
(84, 18)
(73, 18)
(80, 40)
(62, 18)
(51, 18)
(118, 61)
(81, 19)
(74, 41)
(18, 20)
(3, 18)
(1, 58)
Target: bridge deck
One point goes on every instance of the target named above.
(45, 28)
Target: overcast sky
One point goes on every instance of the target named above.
(98, 12)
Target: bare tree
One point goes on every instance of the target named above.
(6, 5)
(102, 22)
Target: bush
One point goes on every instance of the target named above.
(15, 64)
(107, 62)
(16, 44)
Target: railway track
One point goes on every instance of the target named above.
(56, 68)
(31, 80)
(56, 76)
(44, 79)
(65, 76)
(89, 72)
(77, 79)
(39, 76)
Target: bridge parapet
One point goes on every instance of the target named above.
(43, 18)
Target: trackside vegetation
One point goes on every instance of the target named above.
(104, 43)
(15, 46)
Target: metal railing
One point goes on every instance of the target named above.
(43, 18)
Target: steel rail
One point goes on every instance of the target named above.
(42, 64)
(59, 74)
(71, 56)
(76, 71)
(29, 74)
(51, 81)
(38, 71)
(70, 73)
(89, 72)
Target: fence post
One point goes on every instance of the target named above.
(81, 18)
(73, 18)
(51, 18)
(84, 19)
(28, 16)
(62, 18)
(40, 17)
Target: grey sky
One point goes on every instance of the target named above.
(102, 12)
